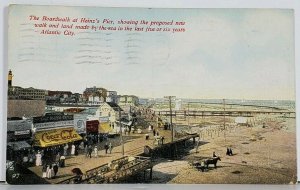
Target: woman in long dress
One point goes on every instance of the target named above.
(110, 147)
(51, 172)
(66, 150)
(96, 151)
(73, 150)
(38, 160)
(48, 172)
(44, 170)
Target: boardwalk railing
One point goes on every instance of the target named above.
(114, 171)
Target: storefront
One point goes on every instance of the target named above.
(104, 126)
(54, 134)
(19, 130)
(53, 141)
(92, 128)
(19, 141)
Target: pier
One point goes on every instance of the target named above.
(233, 113)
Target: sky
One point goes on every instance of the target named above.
(223, 53)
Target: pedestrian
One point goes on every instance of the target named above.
(154, 132)
(57, 158)
(106, 147)
(90, 150)
(214, 154)
(110, 147)
(50, 172)
(31, 158)
(96, 152)
(147, 136)
(38, 159)
(62, 161)
(162, 140)
(228, 152)
(76, 150)
(66, 147)
(44, 170)
(55, 169)
(157, 133)
(73, 150)
(82, 145)
(86, 152)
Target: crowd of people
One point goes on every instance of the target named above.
(94, 152)
(51, 159)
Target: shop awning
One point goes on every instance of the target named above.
(105, 128)
(55, 137)
(18, 145)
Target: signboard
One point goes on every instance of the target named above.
(104, 119)
(55, 137)
(26, 132)
(20, 125)
(80, 123)
(92, 126)
(49, 125)
(52, 118)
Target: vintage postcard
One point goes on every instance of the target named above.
(146, 95)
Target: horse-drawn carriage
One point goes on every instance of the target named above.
(203, 163)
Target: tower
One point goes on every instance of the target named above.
(10, 76)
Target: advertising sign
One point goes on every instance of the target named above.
(55, 137)
(52, 118)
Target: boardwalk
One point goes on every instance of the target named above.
(133, 147)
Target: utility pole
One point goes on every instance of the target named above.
(188, 114)
(224, 120)
(170, 105)
(121, 135)
(224, 112)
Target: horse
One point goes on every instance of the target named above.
(212, 161)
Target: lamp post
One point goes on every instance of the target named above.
(170, 105)
(121, 135)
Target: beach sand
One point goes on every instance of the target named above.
(262, 155)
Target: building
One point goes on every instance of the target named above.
(62, 97)
(128, 100)
(19, 139)
(16, 92)
(94, 95)
(110, 111)
(19, 130)
(53, 130)
(112, 96)
(62, 94)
